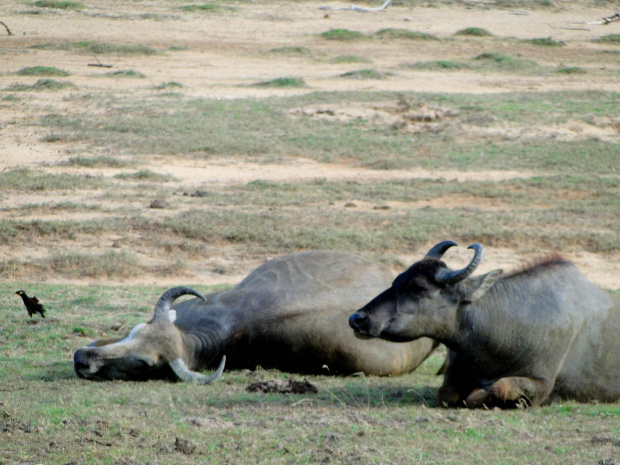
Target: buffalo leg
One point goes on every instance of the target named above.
(458, 382)
(510, 392)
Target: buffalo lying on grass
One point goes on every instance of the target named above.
(541, 333)
(290, 314)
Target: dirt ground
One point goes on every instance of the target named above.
(221, 53)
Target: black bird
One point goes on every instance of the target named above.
(32, 304)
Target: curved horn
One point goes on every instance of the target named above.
(439, 249)
(445, 276)
(165, 301)
(185, 374)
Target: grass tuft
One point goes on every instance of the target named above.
(207, 7)
(59, 4)
(364, 74)
(613, 39)
(97, 162)
(88, 47)
(42, 71)
(344, 59)
(439, 65)
(168, 85)
(473, 32)
(292, 51)
(282, 82)
(41, 85)
(396, 33)
(545, 41)
(128, 73)
(145, 175)
(342, 34)
(571, 70)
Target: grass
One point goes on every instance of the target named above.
(349, 59)
(545, 42)
(49, 415)
(282, 82)
(41, 85)
(473, 32)
(396, 33)
(364, 74)
(42, 71)
(292, 51)
(504, 63)
(87, 47)
(126, 73)
(97, 162)
(145, 175)
(439, 65)
(342, 34)
(169, 85)
(59, 4)
(612, 39)
(570, 70)
(25, 179)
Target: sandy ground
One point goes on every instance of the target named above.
(220, 53)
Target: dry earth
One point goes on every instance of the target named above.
(222, 53)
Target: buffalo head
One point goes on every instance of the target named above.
(423, 301)
(157, 349)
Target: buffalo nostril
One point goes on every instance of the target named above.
(356, 321)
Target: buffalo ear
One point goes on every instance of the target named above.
(474, 288)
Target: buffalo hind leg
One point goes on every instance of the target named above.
(510, 392)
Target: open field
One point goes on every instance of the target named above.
(224, 134)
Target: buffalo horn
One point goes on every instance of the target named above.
(165, 301)
(185, 374)
(445, 276)
(438, 250)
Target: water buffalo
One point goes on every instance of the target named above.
(290, 313)
(540, 333)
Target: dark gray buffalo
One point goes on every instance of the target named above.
(290, 313)
(541, 333)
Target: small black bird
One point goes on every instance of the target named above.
(32, 304)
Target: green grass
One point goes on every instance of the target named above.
(87, 47)
(342, 34)
(349, 59)
(205, 7)
(145, 175)
(292, 51)
(262, 131)
(612, 39)
(364, 74)
(169, 85)
(545, 42)
(41, 85)
(504, 63)
(439, 65)
(59, 4)
(25, 179)
(570, 70)
(42, 71)
(474, 32)
(126, 73)
(51, 416)
(396, 33)
(97, 162)
(282, 82)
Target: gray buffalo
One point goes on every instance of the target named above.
(541, 333)
(290, 314)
